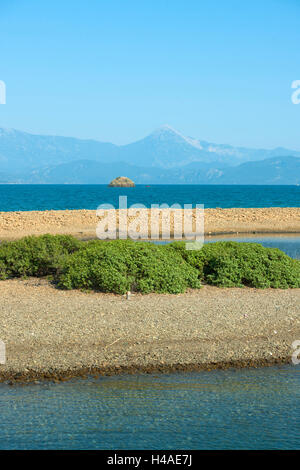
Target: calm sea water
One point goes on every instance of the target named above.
(232, 409)
(46, 197)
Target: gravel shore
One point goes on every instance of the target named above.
(83, 223)
(51, 333)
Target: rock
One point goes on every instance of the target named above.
(122, 182)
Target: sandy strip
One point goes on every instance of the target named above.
(83, 223)
(54, 333)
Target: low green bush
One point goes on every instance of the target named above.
(235, 264)
(119, 266)
(36, 255)
(122, 265)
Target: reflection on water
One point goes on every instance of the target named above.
(232, 409)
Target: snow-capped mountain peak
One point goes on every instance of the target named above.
(166, 132)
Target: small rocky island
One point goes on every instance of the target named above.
(122, 182)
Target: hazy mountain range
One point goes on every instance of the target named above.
(165, 156)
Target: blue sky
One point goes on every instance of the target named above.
(115, 70)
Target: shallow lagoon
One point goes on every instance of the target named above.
(230, 409)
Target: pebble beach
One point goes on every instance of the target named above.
(83, 223)
(55, 334)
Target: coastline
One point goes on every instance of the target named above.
(83, 223)
(54, 334)
(60, 375)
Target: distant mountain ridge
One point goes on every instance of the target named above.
(165, 156)
(278, 170)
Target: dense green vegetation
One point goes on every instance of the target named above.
(119, 266)
(234, 264)
(122, 265)
(36, 256)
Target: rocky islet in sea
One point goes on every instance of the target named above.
(121, 182)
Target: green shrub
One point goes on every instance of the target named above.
(122, 265)
(118, 266)
(36, 256)
(234, 264)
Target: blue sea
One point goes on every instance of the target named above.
(46, 197)
(230, 409)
